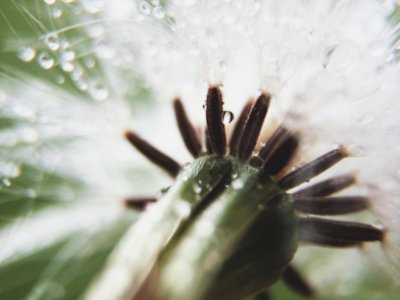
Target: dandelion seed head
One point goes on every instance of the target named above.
(330, 66)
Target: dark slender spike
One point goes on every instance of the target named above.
(296, 282)
(186, 129)
(312, 169)
(330, 206)
(208, 144)
(279, 136)
(343, 230)
(139, 203)
(238, 129)
(216, 129)
(160, 159)
(328, 187)
(321, 240)
(253, 126)
(265, 295)
(281, 156)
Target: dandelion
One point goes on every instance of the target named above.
(76, 75)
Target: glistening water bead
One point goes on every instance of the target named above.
(241, 225)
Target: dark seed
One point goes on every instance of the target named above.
(321, 240)
(328, 187)
(216, 129)
(330, 206)
(186, 129)
(157, 157)
(253, 126)
(282, 155)
(342, 230)
(238, 129)
(279, 136)
(312, 169)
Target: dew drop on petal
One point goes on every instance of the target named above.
(145, 7)
(227, 117)
(52, 41)
(158, 12)
(98, 91)
(27, 54)
(45, 60)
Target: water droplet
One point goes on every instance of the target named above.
(145, 7)
(182, 209)
(68, 55)
(237, 184)
(45, 60)
(67, 66)
(341, 59)
(227, 117)
(93, 6)
(31, 193)
(27, 54)
(90, 62)
(197, 188)
(158, 12)
(52, 41)
(6, 182)
(9, 169)
(56, 12)
(82, 85)
(98, 91)
(77, 73)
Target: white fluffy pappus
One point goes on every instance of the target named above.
(331, 66)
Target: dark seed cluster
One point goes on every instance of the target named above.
(273, 159)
